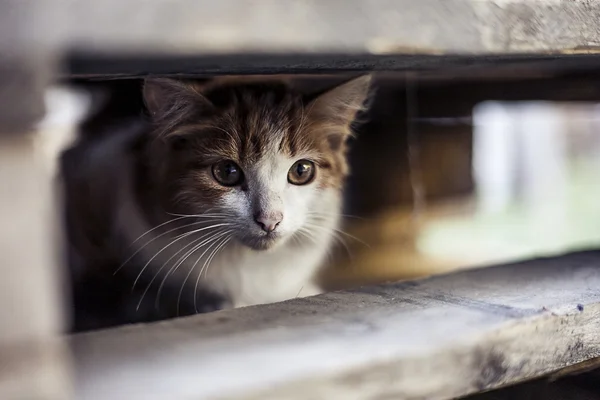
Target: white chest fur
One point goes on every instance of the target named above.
(250, 277)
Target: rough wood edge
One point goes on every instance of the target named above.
(437, 339)
(350, 26)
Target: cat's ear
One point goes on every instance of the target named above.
(342, 103)
(163, 96)
(332, 113)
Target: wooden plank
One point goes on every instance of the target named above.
(266, 36)
(343, 26)
(33, 362)
(437, 338)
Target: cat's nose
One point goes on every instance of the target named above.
(268, 222)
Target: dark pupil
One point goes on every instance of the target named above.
(229, 171)
(302, 169)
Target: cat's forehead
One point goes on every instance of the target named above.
(259, 124)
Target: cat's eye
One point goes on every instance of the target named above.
(227, 173)
(302, 172)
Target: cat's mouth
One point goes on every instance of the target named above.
(262, 242)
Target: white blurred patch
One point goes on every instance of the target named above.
(494, 155)
(65, 108)
(520, 154)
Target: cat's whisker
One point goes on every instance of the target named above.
(296, 239)
(169, 245)
(165, 264)
(301, 234)
(156, 227)
(213, 241)
(179, 217)
(334, 214)
(207, 214)
(335, 236)
(206, 266)
(337, 230)
(210, 258)
(181, 260)
(155, 238)
(307, 234)
(329, 254)
(187, 245)
(344, 244)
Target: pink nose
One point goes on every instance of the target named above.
(268, 222)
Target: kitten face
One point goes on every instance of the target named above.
(264, 160)
(271, 209)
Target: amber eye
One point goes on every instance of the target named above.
(302, 172)
(227, 173)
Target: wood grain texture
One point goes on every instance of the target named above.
(344, 26)
(436, 339)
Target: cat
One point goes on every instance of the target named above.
(228, 193)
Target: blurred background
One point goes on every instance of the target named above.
(510, 181)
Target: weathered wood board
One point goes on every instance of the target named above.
(437, 338)
(339, 26)
(241, 36)
(266, 36)
(33, 361)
